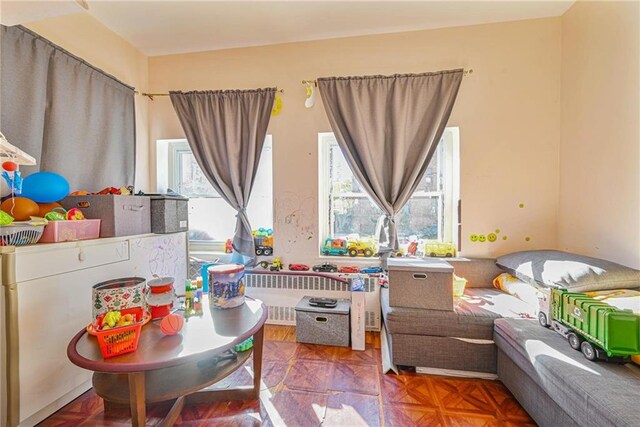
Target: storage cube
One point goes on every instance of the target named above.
(120, 215)
(169, 213)
(320, 325)
(422, 283)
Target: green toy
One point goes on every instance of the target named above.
(244, 345)
(598, 329)
(5, 218)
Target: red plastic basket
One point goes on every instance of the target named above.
(124, 339)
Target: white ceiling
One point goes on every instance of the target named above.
(167, 27)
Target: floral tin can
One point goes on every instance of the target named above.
(226, 287)
(118, 294)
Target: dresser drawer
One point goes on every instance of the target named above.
(43, 262)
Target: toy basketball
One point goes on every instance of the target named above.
(20, 208)
(171, 324)
(45, 208)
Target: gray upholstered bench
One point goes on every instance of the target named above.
(557, 385)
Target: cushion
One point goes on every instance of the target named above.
(522, 290)
(593, 393)
(576, 273)
(472, 317)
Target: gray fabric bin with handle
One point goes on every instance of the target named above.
(322, 325)
(169, 213)
(419, 283)
(120, 215)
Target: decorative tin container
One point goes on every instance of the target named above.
(118, 294)
(226, 288)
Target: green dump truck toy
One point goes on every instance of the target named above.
(598, 329)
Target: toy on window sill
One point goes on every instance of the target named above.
(334, 247)
(276, 265)
(325, 268)
(361, 247)
(596, 328)
(298, 267)
(228, 246)
(439, 249)
(263, 238)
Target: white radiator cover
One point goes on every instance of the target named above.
(281, 293)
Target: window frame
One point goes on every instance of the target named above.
(168, 171)
(449, 209)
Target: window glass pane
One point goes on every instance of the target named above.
(351, 212)
(210, 216)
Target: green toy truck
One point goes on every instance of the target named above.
(598, 329)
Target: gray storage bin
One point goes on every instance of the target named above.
(120, 215)
(169, 213)
(320, 325)
(420, 283)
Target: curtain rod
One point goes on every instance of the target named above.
(152, 95)
(315, 82)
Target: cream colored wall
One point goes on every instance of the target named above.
(87, 38)
(599, 211)
(508, 112)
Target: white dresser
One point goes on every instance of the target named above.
(46, 300)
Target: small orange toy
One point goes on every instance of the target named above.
(171, 324)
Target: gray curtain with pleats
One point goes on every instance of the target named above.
(388, 128)
(75, 119)
(226, 132)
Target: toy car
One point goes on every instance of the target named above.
(276, 265)
(334, 247)
(325, 268)
(439, 249)
(298, 267)
(263, 239)
(349, 270)
(371, 270)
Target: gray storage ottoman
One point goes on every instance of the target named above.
(557, 385)
(321, 325)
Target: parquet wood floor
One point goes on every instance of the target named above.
(310, 385)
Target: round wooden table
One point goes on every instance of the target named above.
(176, 367)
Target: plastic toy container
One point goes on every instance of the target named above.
(459, 283)
(67, 231)
(124, 339)
(226, 288)
(20, 234)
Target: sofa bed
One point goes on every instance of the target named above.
(491, 331)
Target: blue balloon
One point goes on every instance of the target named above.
(45, 187)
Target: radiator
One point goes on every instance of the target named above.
(281, 291)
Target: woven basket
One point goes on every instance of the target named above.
(20, 234)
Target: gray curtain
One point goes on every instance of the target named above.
(388, 128)
(226, 132)
(73, 118)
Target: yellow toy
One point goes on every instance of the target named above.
(361, 247)
(439, 249)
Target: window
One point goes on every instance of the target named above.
(347, 212)
(211, 220)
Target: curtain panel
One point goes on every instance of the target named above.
(226, 132)
(75, 119)
(388, 128)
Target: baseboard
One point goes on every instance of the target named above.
(456, 373)
(45, 412)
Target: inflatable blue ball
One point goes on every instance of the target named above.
(45, 187)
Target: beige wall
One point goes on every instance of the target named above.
(599, 211)
(508, 112)
(87, 38)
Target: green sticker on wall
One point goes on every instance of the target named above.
(492, 237)
(473, 238)
(527, 239)
(504, 237)
(481, 238)
(521, 205)
(497, 230)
